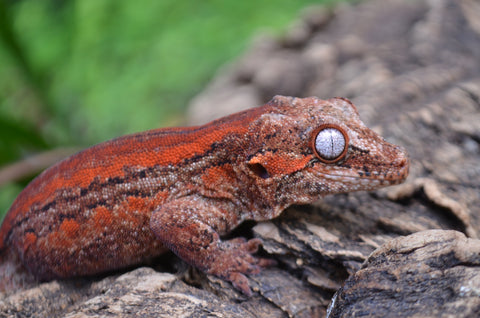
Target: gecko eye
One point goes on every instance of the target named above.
(330, 143)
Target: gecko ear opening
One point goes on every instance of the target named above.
(259, 170)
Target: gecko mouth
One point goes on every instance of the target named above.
(391, 173)
(366, 182)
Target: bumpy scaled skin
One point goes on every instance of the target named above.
(124, 201)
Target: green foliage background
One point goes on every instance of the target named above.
(80, 72)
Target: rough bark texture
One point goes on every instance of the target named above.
(413, 70)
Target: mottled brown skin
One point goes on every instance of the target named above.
(126, 200)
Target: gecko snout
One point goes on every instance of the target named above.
(400, 165)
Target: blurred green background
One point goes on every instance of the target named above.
(75, 73)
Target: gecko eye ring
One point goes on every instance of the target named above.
(330, 143)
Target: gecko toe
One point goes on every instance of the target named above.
(253, 245)
(266, 262)
(240, 282)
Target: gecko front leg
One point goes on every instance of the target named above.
(188, 226)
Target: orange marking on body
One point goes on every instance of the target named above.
(276, 165)
(70, 228)
(161, 196)
(136, 204)
(133, 211)
(53, 239)
(29, 240)
(218, 175)
(102, 217)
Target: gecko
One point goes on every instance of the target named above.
(127, 200)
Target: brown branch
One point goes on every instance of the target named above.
(33, 164)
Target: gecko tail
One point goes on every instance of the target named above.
(13, 275)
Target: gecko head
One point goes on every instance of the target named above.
(306, 148)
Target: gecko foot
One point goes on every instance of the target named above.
(236, 260)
